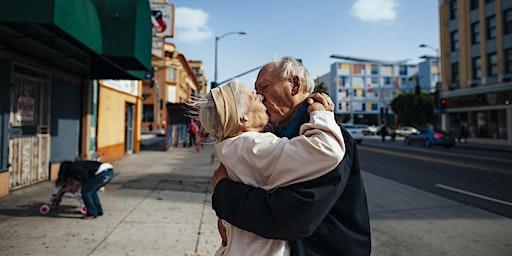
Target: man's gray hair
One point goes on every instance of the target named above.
(208, 115)
(288, 67)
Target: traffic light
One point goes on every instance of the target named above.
(443, 104)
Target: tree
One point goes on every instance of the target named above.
(414, 109)
(321, 88)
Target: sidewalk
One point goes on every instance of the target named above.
(160, 204)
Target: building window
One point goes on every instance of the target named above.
(147, 113)
(387, 80)
(476, 66)
(375, 106)
(171, 74)
(403, 70)
(491, 27)
(375, 69)
(454, 12)
(507, 21)
(489, 1)
(454, 40)
(455, 73)
(492, 64)
(473, 5)
(475, 32)
(508, 61)
(375, 80)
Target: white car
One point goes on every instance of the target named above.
(355, 131)
(405, 131)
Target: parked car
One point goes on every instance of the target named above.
(373, 129)
(355, 131)
(365, 129)
(430, 137)
(405, 131)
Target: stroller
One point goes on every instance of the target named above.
(70, 186)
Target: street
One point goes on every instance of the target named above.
(482, 178)
(159, 203)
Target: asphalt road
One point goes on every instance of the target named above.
(482, 178)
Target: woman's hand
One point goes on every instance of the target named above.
(320, 102)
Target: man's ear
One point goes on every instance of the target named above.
(295, 85)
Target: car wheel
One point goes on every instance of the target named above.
(408, 142)
(427, 143)
(448, 146)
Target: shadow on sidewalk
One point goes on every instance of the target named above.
(169, 181)
(63, 211)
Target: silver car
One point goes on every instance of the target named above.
(355, 131)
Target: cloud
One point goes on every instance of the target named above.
(192, 25)
(374, 10)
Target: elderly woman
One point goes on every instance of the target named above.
(234, 117)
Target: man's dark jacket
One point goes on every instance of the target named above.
(324, 216)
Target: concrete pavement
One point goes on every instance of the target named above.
(160, 204)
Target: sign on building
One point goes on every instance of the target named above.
(157, 48)
(162, 18)
(128, 86)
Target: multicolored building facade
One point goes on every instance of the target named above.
(362, 89)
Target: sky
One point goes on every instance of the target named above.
(305, 29)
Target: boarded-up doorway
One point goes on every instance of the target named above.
(29, 143)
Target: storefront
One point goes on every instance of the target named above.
(119, 114)
(51, 52)
(485, 117)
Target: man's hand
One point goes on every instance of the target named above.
(322, 99)
(218, 175)
(222, 232)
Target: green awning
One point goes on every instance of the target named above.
(78, 18)
(126, 31)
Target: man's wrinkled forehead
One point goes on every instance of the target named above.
(266, 75)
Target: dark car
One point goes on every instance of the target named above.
(430, 137)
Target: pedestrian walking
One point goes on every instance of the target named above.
(384, 132)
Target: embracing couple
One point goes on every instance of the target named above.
(294, 191)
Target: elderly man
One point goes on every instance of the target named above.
(324, 216)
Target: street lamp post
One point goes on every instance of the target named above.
(437, 108)
(217, 38)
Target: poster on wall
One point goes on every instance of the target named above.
(162, 18)
(25, 109)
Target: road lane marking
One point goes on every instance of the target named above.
(432, 151)
(434, 160)
(473, 194)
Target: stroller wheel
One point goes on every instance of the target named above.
(83, 210)
(44, 209)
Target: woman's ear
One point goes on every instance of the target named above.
(243, 120)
